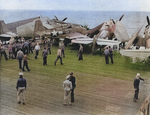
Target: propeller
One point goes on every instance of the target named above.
(148, 20)
(56, 17)
(64, 19)
(113, 21)
(121, 17)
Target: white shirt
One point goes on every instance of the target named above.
(67, 85)
(37, 47)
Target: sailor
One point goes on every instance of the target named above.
(18, 46)
(37, 48)
(30, 47)
(26, 45)
(80, 53)
(14, 50)
(25, 63)
(3, 52)
(44, 54)
(10, 51)
(21, 87)
(58, 57)
(63, 49)
(136, 86)
(49, 47)
(20, 56)
(67, 85)
(111, 54)
(73, 81)
(106, 53)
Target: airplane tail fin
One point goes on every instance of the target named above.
(121, 32)
(133, 38)
(38, 26)
(3, 27)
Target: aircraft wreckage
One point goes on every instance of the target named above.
(108, 33)
(137, 46)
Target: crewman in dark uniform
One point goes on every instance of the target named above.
(30, 47)
(21, 87)
(106, 53)
(136, 86)
(73, 80)
(3, 52)
(111, 54)
(14, 50)
(49, 47)
(44, 54)
(26, 45)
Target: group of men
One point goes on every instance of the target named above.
(108, 53)
(69, 85)
(21, 50)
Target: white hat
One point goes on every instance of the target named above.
(138, 75)
(20, 73)
(68, 76)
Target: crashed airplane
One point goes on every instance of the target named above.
(103, 34)
(54, 28)
(138, 46)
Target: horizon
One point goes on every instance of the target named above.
(67, 10)
(80, 5)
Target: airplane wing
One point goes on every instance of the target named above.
(82, 40)
(107, 42)
(99, 41)
(5, 35)
(132, 38)
(75, 35)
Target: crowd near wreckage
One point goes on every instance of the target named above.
(110, 33)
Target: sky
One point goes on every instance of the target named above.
(84, 5)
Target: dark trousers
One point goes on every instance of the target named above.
(106, 59)
(80, 56)
(14, 54)
(63, 53)
(49, 50)
(20, 62)
(26, 50)
(111, 57)
(36, 54)
(44, 60)
(72, 95)
(5, 55)
(10, 55)
(58, 57)
(25, 63)
(30, 50)
(136, 94)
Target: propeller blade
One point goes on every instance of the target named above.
(56, 17)
(64, 19)
(121, 17)
(113, 21)
(148, 20)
